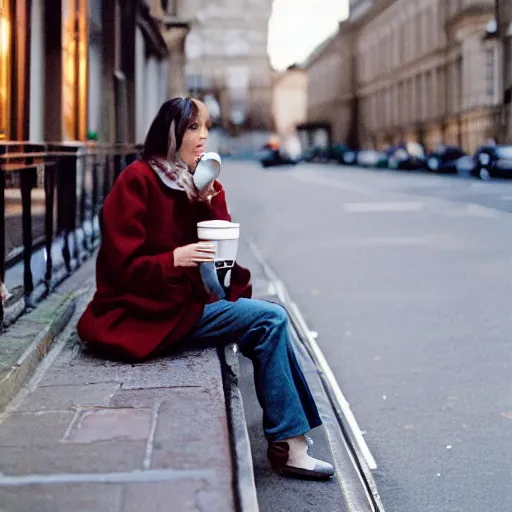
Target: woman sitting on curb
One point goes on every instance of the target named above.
(150, 294)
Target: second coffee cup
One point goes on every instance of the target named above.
(224, 235)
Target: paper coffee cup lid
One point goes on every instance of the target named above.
(217, 224)
(218, 230)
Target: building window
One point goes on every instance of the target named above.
(169, 7)
(5, 65)
(490, 74)
(420, 47)
(235, 43)
(197, 84)
(402, 44)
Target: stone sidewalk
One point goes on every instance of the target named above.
(88, 435)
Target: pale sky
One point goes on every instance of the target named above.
(297, 27)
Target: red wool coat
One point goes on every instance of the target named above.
(143, 302)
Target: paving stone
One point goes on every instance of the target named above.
(111, 424)
(191, 431)
(61, 498)
(69, 397)
(178, 496)
(38, 429)
(194, 368)
(99, 457)
(139, 398)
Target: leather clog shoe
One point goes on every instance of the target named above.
(278, 454)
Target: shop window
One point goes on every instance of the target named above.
(74, 69)
(5, 65)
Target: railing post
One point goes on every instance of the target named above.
(94, 197)
(2, 237)
(118, 164)
(82, 205)
(66, 209)
(49, 199)
(107, 162)
(2, 224)
(27, 179)
(73, 176)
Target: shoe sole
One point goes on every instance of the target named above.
(302, 473)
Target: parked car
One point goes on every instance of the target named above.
(444, 159)
(371, 158)
(270, 156)
(409, 156)
(493, 161)
(338, 152)
(350, 157)
(317, 154)
(465, 165)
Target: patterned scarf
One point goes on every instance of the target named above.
(175, 175)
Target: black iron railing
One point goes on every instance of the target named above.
(50, 196)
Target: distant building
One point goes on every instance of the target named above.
(359, 7)
(419, 70)
(227, 59)
(331, 85)
(290, 99)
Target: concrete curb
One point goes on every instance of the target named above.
(47, 320)
(246, 498)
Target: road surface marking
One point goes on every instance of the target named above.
(476, 210)
(155, 475)
(395, 207)
(341, 185)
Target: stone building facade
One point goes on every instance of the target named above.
(331, 91)
(290, 99)
(227, 59)
(418, 70)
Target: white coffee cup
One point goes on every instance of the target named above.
(224, 235)
(207, 170)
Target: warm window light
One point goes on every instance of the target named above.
(4, 36)
(5, 57)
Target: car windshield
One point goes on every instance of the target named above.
(504, 152)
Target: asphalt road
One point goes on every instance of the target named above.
(407, 278)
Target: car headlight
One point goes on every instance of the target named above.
(433, 163)
(484, 159)
(401, 155)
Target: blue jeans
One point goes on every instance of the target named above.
(260, 329)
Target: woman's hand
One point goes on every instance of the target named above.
(193, 254)
(209, 191)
